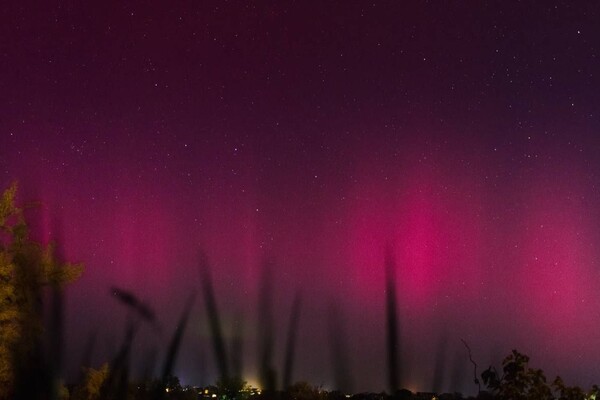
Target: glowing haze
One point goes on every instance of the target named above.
(312, 137)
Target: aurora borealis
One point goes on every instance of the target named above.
(312, 136)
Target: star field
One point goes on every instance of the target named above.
(314, 135)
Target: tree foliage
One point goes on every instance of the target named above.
(520, 382)
(26, 267)
(232, 388)
(92, 385)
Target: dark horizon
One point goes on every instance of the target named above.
(311, 137)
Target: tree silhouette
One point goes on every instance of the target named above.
(520, 382)
(26, 267)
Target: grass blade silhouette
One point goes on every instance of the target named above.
(267, 373)
(130, 300)
(149, 364)
(171, 356)
(290, 347)
(237, 348)
(118, 378)
(440, 363)
(88, 353)
(339, 351)
(176, 340)
(213, 319)
(392, 323)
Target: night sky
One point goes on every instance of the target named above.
(311, 135)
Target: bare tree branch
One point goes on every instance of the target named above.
(475, 379)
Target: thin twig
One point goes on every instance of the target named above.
(475, 379)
